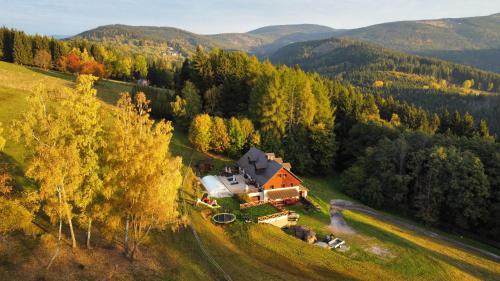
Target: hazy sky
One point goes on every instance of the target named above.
(214, 16)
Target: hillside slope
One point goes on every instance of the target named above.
(262, 41)
(473, 40)
(378, 250)
(346, 57)
(431, 83)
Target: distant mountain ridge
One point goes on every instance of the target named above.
(259, 41)
(473, 40)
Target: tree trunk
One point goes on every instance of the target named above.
(126, 236)
(88, 233)
(132, 252)
(70, 223)
(59, 235)
(68, 216)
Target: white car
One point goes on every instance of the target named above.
(335, 243)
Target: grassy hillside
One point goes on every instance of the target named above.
(379, 250)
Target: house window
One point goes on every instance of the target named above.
(272, 186)
(283, 185)
(284, 175)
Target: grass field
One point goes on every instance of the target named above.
(259, 211)
(378, 250)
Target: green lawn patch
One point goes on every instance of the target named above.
(258, 211)
(228, 204)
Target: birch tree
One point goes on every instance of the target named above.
(88, 131)
(142, 178)
(54, 160)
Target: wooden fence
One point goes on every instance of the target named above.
(251, 204)
(272, 216)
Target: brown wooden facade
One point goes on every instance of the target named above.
(283, 178)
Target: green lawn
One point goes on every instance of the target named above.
(16, 84)
(259, 211)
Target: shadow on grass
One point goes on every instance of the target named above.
(55, 74)
(383, 235)
(19, 180)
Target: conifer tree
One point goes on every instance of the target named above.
(186, 106)
(22, 49)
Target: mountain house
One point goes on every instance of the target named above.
(259, 176)
(270, 177)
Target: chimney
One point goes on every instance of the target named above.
(270, 156)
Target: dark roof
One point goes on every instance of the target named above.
(259, 166)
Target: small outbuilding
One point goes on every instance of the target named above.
(215, 188)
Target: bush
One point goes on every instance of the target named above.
(42, 59)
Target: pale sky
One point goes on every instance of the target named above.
(64, 17)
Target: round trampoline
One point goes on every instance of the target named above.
(224, 218)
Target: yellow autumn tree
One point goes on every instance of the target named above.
(142, 178)
(62, 131)
(200, 132)
(54, 160)
(88, 135)
(378, 84)
(13, 213)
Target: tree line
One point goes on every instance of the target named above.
(442, 180)
(232, 136)
(83, 57)
(483, 106)
(362, 63)
(118, 175)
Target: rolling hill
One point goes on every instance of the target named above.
(472, 40)
(440, 34)
(345, 58)
(431, 83)
(261, 41)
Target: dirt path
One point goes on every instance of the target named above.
(344, 204)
